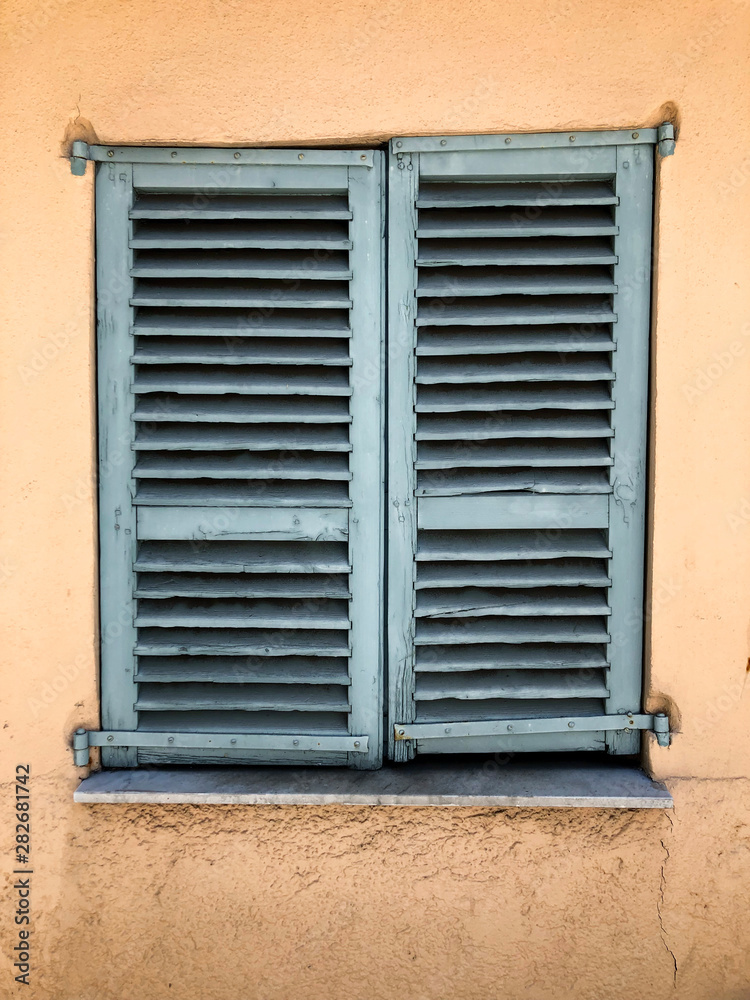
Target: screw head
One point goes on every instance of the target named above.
(237, 156)
(401, 732)
(399, 144)
(300, 156)
(509, 728)
(636, 134)
(363, 156)
(110, 739)
(507, 142)
(571, 138)
(233, 742)
(110, 152)
(170, 739)
(447, 729)
(571, 725)
(443, 142)
(173, 155)
(356, 743)
(295, 743)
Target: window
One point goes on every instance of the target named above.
(253, 478)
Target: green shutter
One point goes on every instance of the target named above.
(519, 272)
(240, 365)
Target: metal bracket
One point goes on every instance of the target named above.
(666, 139)
(213, 156)
(658, 724)
(79, 154)
(85, 738)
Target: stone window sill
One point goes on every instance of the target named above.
(469, 782)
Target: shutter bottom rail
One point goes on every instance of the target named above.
(658, 724)
(85, 738)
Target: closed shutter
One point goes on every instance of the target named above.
(240, 442)
(518, 322)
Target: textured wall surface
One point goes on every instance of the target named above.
(274, 903)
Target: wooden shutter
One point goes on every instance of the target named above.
(240, 443)
(519, 271)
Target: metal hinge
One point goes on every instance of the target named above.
(666, 139)
(85, 738)
(658, 724)
(79, 154)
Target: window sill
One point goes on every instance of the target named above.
(466, 783)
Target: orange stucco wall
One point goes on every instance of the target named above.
(137, 903)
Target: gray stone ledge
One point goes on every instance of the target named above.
(466, 783)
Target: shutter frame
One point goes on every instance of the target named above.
(357, 524)
(627, 159)
(117, 517)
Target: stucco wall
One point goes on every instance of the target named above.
(273, 903)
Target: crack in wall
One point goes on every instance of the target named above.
(660, 905)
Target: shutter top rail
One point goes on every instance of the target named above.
(234, 155)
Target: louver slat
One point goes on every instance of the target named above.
(181, 206)
(205, 351)
(234, 323)
(226, 670)
(260, 381)
(510, 684)
(159, 407)
(175, 437)
(292, 265)
(216, 613)
(450, 224)
(526, 194)
(505, 297)
(248, 698)
(465, 281)
(204, 292)
(277, 465)
(549, 252)
(512, 340)
(249, 317)
(217, 235)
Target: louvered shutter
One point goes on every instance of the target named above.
(240, 442)
(519, 275)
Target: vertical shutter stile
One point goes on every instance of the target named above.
(240, 442)
(519, 304)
